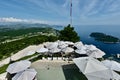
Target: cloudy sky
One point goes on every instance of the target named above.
(85, 12)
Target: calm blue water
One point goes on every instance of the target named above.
(109, 49)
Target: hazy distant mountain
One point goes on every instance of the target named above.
(26, 25)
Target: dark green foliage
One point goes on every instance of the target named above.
(68, 34)
(36, 58)
(6, 49)
(19, 32)
(13, 33)
(3, 68)
(104, 38)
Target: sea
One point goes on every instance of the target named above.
(110, 49)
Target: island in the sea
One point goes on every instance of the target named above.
(104, 37)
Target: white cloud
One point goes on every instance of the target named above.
(12, 19)
(17, 20)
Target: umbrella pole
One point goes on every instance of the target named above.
(68, 59)
(57, 56)
(62, 55)
(51, 57)
(10, 61)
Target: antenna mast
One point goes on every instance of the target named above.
(71, 13)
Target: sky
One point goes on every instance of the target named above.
(85, 12)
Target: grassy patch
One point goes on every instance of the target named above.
(36, 58)
(3, 68)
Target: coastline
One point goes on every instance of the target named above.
(110, 42)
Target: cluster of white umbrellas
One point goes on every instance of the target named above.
(21, 71)
(59, 46)
(89, 50)
(94, 69)
(66, 47)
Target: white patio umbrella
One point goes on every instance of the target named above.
(67, 50)
(69, 43)
(60, 42)
(111, 75)
(52, 45)
(78, 45)
(18, 66)
(113, 65)
(94, 69)
(55, 50)
(81, 51)
(92, 51)
(62, 46)
(28, 74)
(96, 53)
(90, 47)
(42, 50)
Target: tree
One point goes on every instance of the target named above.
(68, 34)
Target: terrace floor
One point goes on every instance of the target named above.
(57, 70)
